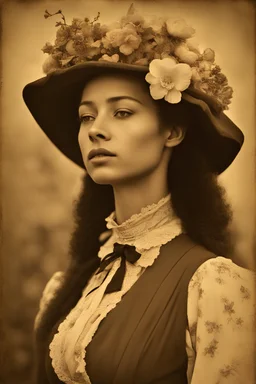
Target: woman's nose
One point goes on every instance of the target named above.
(98, 130)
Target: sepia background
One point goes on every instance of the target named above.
(40, 185)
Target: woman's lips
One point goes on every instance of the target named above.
(100, 158)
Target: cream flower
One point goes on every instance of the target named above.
(193, 46)
(167, 79)
(205, 68)
(130, 43)
(50, 65)
(179, 28)
(70, 47)
(125, 38)
(62, 36)
(113, 59)
(156, 23)
(86, 29)
(195, 75)
(185, 54)
(209, 55)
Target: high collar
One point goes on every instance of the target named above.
(149, 220)
(155, 225)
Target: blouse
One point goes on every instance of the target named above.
(220, 307)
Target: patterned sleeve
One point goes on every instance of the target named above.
(221, 324)
(48, 294)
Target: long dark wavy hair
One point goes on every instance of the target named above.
(197, 199)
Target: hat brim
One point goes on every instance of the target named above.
(53, 101)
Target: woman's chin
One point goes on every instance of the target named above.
(102, 177)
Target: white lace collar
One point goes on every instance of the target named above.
(155, 225)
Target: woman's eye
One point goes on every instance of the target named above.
(87, 118)
(124, 112)
(84, 119)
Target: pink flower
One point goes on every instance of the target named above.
(167, 79)
(179, 28)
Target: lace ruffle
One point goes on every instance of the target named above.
(148, 230)
(85, 310)
(49, 292)
(147, 210)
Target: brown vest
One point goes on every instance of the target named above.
(143, 339)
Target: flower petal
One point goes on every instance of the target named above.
(181, 76)
(154, 67)
(157, 91)
(162, 67)
(151, 79)
(173, 96)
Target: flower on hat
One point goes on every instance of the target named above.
(113, 59)
(132, 16)
(185, 55)
(179, 28)
(205, 68)
(209, 55)
(167, 79)
(50, 65)
(62, 36)
(126, 39)
(164, 45)
(156, 23)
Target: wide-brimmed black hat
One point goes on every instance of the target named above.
(161, 55)
(53, 101)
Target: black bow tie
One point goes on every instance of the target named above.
(126, 252)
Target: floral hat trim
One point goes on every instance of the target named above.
(160, 44)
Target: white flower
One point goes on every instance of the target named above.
(185, 54)
(167, 79)
(179, 28)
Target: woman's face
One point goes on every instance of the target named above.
(119, 115)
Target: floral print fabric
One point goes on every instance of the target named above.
(222, 323)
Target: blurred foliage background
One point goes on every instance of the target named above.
(39, 185)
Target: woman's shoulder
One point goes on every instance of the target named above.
(220, 287)
(221, 271)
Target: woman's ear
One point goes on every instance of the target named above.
(175, 136)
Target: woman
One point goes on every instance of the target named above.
(149, 300)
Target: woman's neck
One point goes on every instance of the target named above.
(131, 198)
